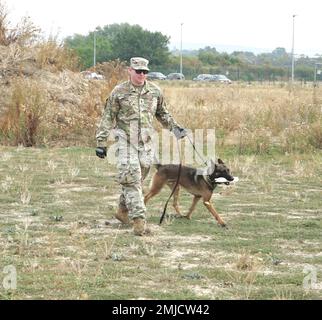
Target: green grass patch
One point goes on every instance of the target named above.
(54, 204)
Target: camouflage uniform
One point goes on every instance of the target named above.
(131, 110)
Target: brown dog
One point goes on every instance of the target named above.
(201, 185)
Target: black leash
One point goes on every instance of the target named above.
(194, 147)
(175, 186)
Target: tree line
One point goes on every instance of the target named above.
(123, 41)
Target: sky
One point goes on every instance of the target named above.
(247, 25)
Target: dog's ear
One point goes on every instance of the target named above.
(220, 161)
(211, 167)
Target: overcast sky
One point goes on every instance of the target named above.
(226, 25)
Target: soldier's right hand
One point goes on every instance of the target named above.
(179, 132)
(101, 152)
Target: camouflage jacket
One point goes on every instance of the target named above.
(128, 106)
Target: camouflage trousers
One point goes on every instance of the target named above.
(133, 164)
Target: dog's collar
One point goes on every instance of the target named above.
(211, 183)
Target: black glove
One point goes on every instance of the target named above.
(179, 132)
(101, 152)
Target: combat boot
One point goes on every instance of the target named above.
(123, 215)
(139, 227)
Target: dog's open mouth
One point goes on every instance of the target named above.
(225, 181)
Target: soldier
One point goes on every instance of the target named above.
(130, 109)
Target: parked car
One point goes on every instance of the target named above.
(175, 76)
(222, 78)
(92, 75)
(204, 77)
(156, 76)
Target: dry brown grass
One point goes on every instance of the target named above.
(24, 33)
(113, 71)
(252, 119)
(54, 56)
(43, 101)
(255, 118)
(22, 120)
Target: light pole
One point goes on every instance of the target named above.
(181, 49)
(293, 57)
(94, 57)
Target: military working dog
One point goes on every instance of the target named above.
(199, 184)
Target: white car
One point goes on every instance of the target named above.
(221, 78)
(92, 75)
(156, 76)
(175, 76)
(204, 77)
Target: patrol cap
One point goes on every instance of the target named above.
(139, 63)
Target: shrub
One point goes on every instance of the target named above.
(55, 57)
(258, 141)
(21, 122)
(113, 71)
(301, 138)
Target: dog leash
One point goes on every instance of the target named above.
(175, 186)
(194, 148)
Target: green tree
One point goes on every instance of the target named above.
(304, 72)
(131, 41)
(208, 56)
(83, 45)
(121, 41)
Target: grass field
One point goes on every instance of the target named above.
(54, 205)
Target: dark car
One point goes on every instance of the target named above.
(156, 76)
(175, 76)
